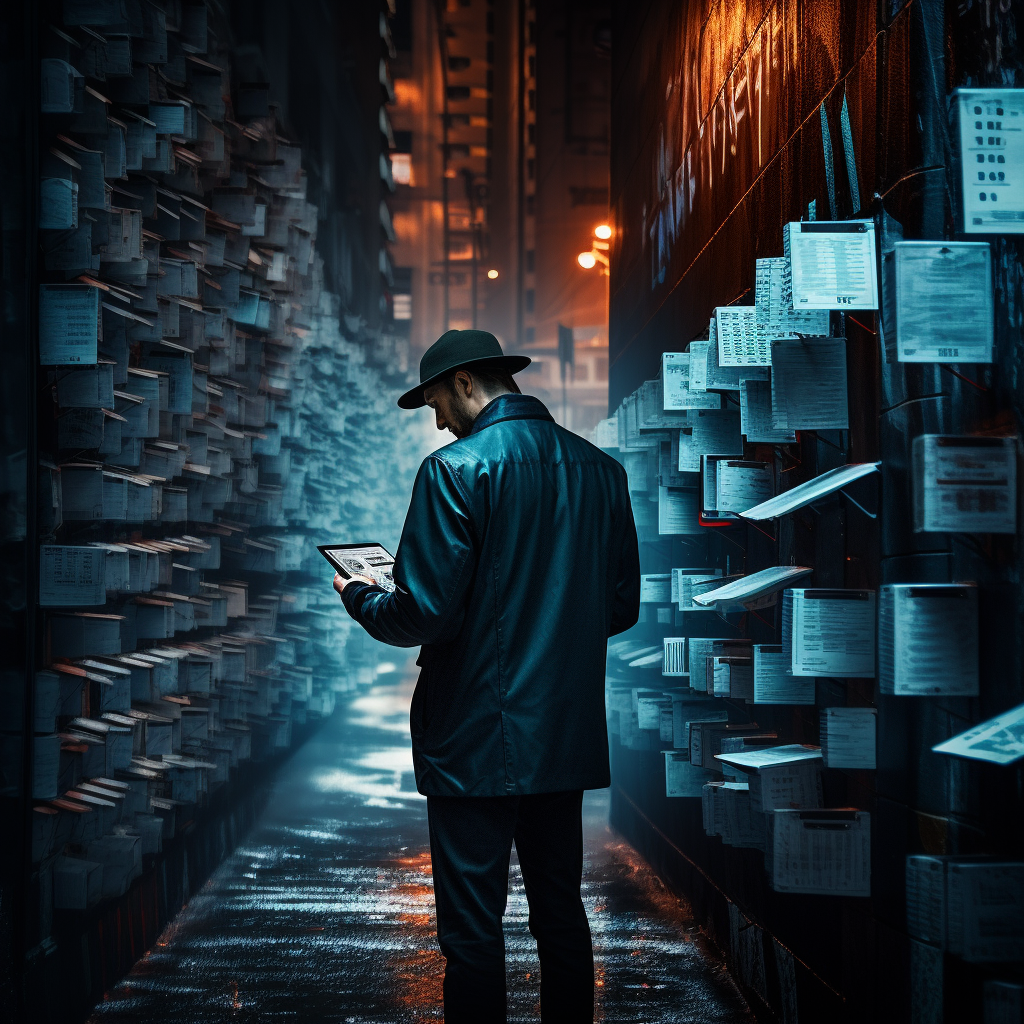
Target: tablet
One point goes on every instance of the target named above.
(371, 560)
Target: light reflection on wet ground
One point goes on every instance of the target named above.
(325, 912)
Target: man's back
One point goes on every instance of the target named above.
(517, 562)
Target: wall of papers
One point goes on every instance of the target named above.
(205, 401)
(816, 726)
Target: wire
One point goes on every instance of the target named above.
(949, 369)
(863, 327)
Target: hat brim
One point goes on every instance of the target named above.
(413, 399)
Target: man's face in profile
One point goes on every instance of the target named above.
(450, 404)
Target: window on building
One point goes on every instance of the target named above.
(490, 50)
(531, 98)
(401, 168)
(531, 64)
(531, 168)
(458, 92)
(531, 298)
(458, 63)
(531, 260)
(530, 205)
(531, 32)
(401, 308)
(531, 134)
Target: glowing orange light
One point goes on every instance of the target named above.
(492, 274)
(586, 260)
(603, 231)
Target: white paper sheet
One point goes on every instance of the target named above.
(683, 779)
(928, 639)
(848, 737)
(698, 352)
(830, 632)
(725, 377)
(813, 490)
(774, 683)
(739, 342)
(678, 511)
(676, 393)
(965, 484)
(991, 123)
(688, 456)
(655, 588)
(944, 301)
(809, 390)
(756, 414)
(69, 324)
(999, 740)
(832, 264)
(772, 757)
(716, 432)
(71, 576)
(776, 318)
(757, 584)
(742, 485)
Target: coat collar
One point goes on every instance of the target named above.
(511, 407)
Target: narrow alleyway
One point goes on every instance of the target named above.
(325, 912)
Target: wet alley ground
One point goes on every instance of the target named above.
(325, 912)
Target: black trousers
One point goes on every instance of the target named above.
(470, 847)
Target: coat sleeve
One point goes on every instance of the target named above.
(626, 606)
(434, 567)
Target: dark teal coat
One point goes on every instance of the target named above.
(518, 560)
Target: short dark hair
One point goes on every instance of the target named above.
(491, 379)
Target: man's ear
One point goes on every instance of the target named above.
(465, 382)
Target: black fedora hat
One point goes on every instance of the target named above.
(455, 350)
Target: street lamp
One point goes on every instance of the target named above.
(599, 248)
(492, 274)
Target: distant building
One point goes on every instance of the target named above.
(500, 162)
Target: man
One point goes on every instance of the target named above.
(517, 561)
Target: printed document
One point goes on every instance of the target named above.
(758, 584)
(756, 414)
(944, 302)
(830, 632)
(813, 490)
(992, 160)
(776, 318)
(809, 389)
(999, 740)
(832, 264)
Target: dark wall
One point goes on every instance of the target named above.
(19, 88)
(716, 143)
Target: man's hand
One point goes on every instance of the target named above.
(340, 583)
